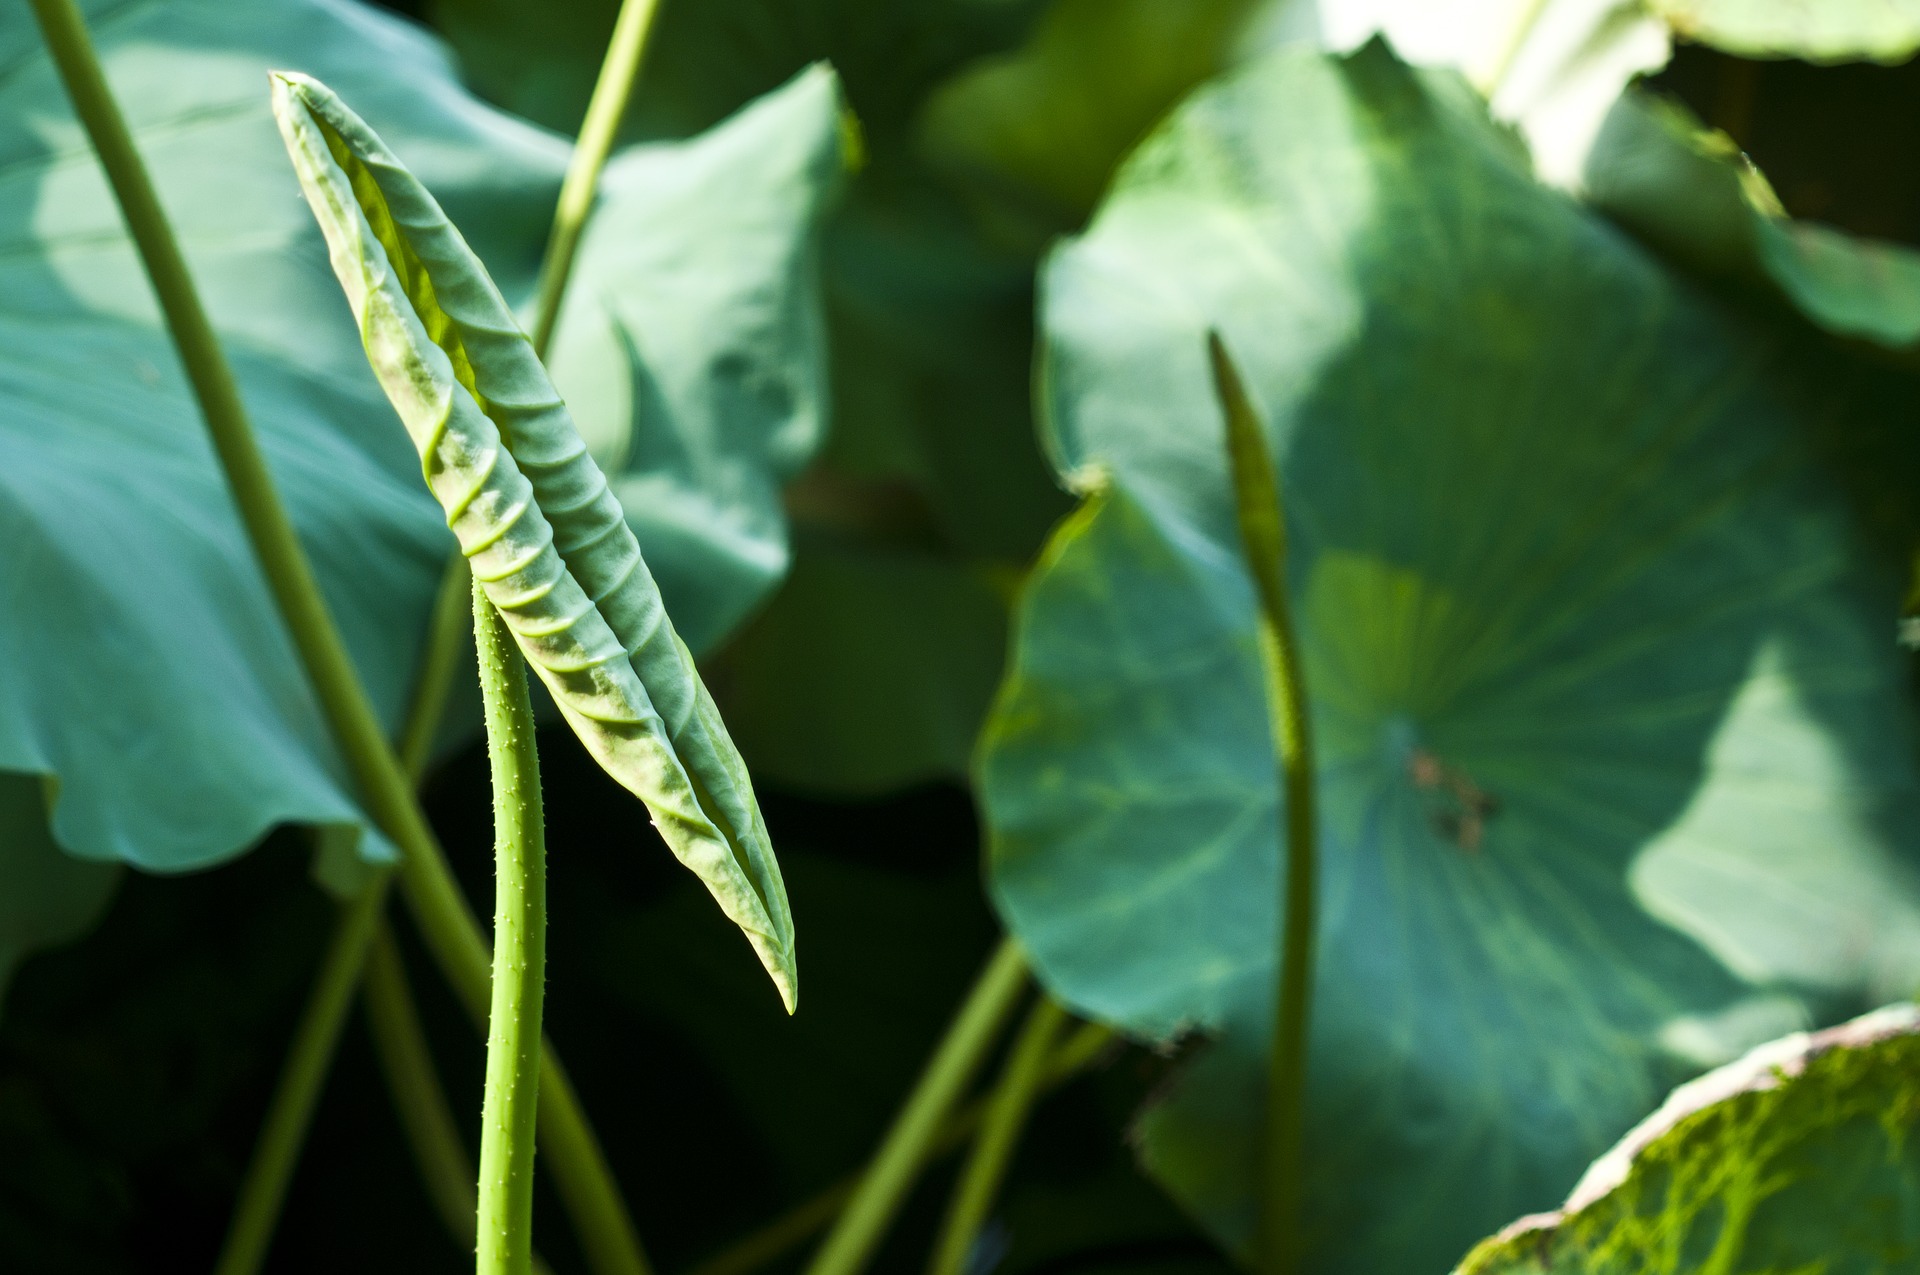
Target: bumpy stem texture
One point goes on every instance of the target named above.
(284, 1130)
(447, 923)
(999, 1135)
(909, 1142)
(519, 953)
(1256, 494)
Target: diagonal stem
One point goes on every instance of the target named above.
(800, 1223)
(277, 1150)
(993, 1149)
(519, 952)
(1256, 498)
(446, 922)
(605, 109)
(884, 1185)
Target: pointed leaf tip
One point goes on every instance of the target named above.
(546, 537)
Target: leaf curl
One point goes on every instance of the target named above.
(532, 511)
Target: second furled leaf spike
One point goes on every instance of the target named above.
(532, 511)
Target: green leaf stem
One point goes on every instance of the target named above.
(545, 535)
(1613, 746)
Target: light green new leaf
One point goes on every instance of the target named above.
(1613, 746)
(1800, 1157)
(1816, 30)
(1691, 194)
(546, 536)
(46, 897)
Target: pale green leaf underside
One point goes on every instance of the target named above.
(1690, 193)
(1799, 1158)
(1816, 30)
(532, 511)
(1611, 737)
(145, 664)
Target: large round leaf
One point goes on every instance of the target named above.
(144, 665)
(1614, 756)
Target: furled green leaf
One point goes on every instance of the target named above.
(1817, 30)
(1614, 756)
(545, 534)
(145, 666)
(48, 897)
(1689, 192)
(1801, 1156)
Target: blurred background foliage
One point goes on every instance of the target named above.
(134, 1063)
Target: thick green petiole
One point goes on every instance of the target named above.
(1256, 498)
(519, 953)
(910, 1141)
(453, 935)
(986, 1166)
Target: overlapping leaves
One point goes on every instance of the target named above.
(145, 666)
(1613, 756)
(547, 539)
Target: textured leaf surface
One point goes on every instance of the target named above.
(1689, 192)
(692, 351)
(1817, 30)
(534, 514)
(48, 897)
(1798, 1157)
(146, 667)
(1612, 749)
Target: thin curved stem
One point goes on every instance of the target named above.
(909, 1142)
(418, 1099)
(1263, 533)
(446, 922)
(519, 952)
(799, 1224)
(282, 1133)
(993, 1148)
(608, 106)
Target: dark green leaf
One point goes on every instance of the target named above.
(1614, 759)
(1798, 1157)
(49, 898)
(1691, 194)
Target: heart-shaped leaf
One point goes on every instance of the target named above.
(1798, 1157)
(1613, 746)
(546, 537)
